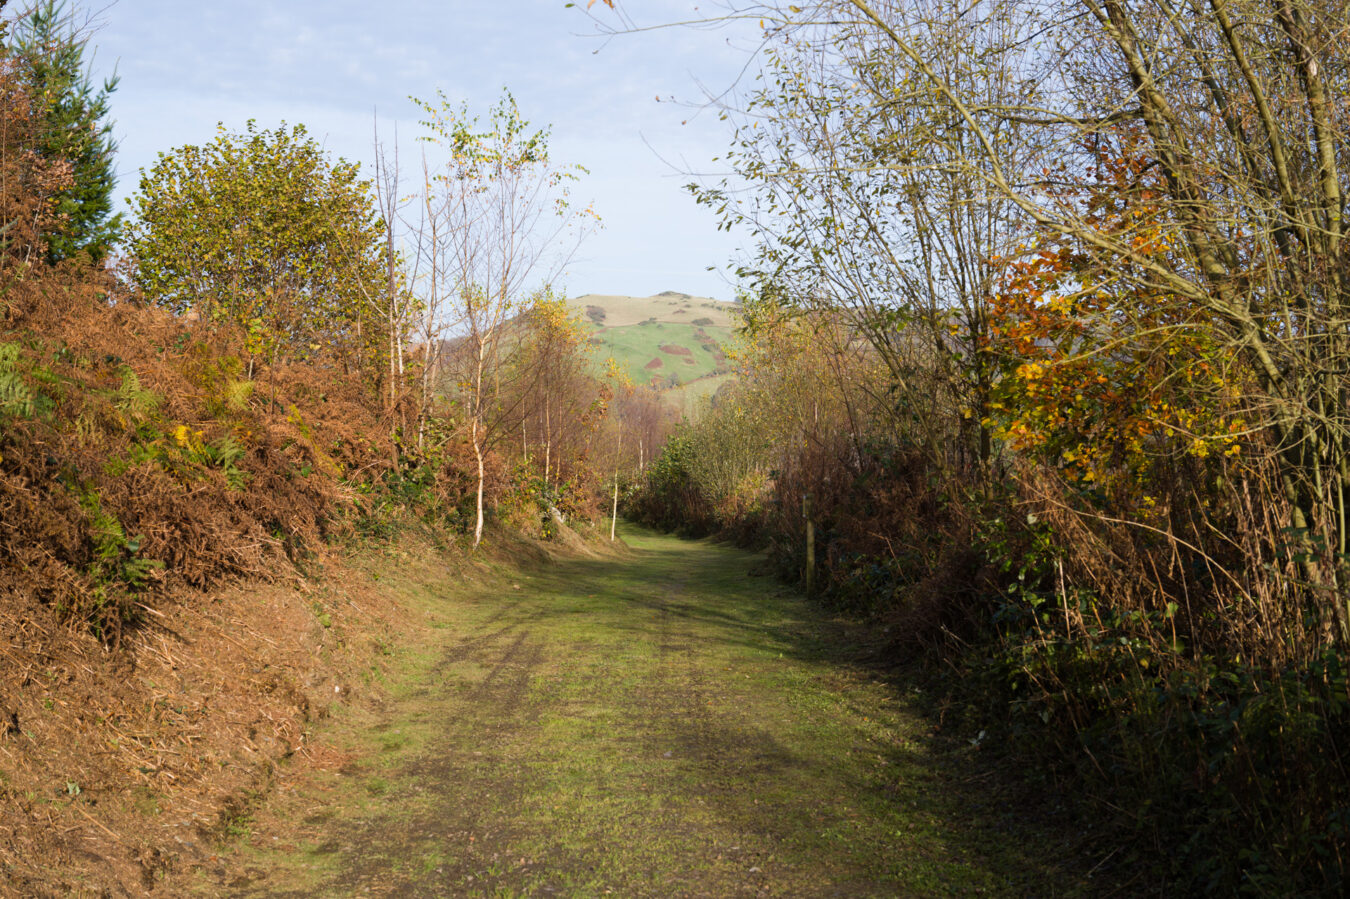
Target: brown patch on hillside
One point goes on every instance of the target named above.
(671, 349)
(654, 364)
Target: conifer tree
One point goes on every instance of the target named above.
(50, 49)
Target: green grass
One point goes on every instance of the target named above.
(688, 398)
(633, 347)
(632, 331)
(660, 726)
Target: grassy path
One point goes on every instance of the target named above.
(657, 726)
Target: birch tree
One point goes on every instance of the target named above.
(500, 227)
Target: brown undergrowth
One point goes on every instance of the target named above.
(163, 512)
(171, 493)
(119, 769)
(119, 766)
(138, 468)
(166, 553)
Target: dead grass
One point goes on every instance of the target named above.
(118, 769)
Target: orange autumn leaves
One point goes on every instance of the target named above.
(1102, 373)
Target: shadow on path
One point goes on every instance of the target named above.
(663, 726)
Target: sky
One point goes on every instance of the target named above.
(333, 65)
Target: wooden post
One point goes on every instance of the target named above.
(810, 545)
(614, 516)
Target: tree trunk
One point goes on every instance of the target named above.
(478, 455)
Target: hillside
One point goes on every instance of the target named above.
(672, 341)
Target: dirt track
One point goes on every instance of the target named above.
(658, 726)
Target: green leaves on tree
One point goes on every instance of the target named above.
(262, 231)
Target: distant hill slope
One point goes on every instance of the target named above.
(672, 341)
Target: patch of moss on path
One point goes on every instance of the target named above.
(661, 725)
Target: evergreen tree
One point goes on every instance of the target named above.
(50, 49)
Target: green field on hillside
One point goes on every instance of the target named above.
(665, 353)
(671, 340)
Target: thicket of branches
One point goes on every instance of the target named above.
(1075, 275)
